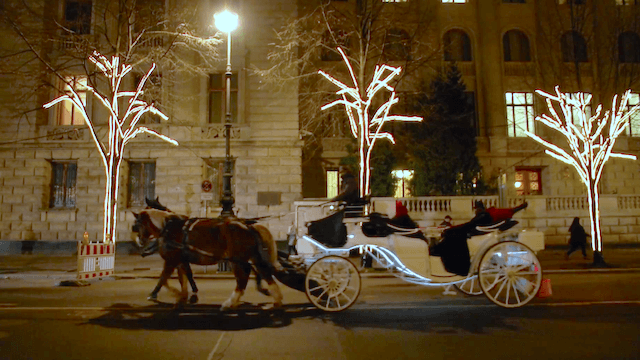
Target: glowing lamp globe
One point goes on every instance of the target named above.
(226, 21)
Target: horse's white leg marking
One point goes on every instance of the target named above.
(274, 290)
(233, 300)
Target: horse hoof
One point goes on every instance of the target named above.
(152, 297)
(193, 299)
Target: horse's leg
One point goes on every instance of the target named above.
(259, 285)
(194, 296)
(164, 276)
(266, 273)
(241, 272)
(182, 277)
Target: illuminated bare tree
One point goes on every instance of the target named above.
(123, 126)
(365, 123)
(590, 144)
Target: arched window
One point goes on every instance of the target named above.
(457, 46)
(516, 46)
(629, 47)
(397, 45)
(573, 47)
(331, 40)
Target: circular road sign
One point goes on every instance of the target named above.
(207, 186)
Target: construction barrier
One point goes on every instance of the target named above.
(96, 260)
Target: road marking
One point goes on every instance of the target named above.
(215, 348)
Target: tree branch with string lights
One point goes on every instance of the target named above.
(365, 121)
(590, 144)
(123, 126)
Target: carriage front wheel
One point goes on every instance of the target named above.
(332, 283)
(510, 274)
(471, 286)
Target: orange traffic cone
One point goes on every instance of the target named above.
(545, 289)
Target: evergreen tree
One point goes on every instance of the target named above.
(443, 146)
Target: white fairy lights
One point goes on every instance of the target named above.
(589, 143)
(365, 128)
(121, 129)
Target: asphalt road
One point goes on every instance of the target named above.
(589, 316)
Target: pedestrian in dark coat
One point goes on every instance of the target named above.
(578, 238)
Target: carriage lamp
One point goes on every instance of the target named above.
(226, 21)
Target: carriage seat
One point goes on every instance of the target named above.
(330, 231)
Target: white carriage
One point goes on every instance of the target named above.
(503, 263)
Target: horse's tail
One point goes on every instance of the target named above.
(269, 244)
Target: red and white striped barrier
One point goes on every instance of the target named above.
(96, 260)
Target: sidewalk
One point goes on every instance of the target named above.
(134, 266)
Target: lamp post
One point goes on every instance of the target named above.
(227, 21)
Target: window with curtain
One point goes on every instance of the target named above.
(66, 112)
(528, 181)
(152, 94)
(63, 185)
(217, 98)
(457, 46)
(520, 115)
(142, 182)
(573, 47)
(516, 46)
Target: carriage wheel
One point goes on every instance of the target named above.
(471, 286)
(510, 274)
(332, 283)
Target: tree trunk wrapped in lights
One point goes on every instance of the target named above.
(121, 128)
(590, 146)
(366, 125)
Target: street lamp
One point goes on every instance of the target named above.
(227, 21)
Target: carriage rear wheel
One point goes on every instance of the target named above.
(510, 274)
(332, 283)
(471, 286)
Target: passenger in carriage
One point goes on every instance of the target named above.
(348, 189)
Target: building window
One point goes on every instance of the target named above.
(397, 45)
(572, 2)
(66, 112)
(528, 181)
(629, 47)
(627, 2)
(217, 98)
(574, 47)
(634, 120)
(77, 16)
(514, 1)
(152, 94)
(63, 185)
(457, 46)
(516, 46)
(574, 115)
(331, 40)
(454, 1)
(333, 183)
(402, 179)
(519, 113)
(142, 182)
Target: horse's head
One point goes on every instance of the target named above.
(148, 225)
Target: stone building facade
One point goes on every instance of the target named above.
(265, 144)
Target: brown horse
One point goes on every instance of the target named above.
(208, 241)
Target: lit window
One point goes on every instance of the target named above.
(77, 16)
(575, 111)
(217, 98)
(454, 1)
(63, 185)
(332, 183)
(67, 112)
(402, 179)
(142, 182)
(519, 113)
(634, 120)
(528, 182)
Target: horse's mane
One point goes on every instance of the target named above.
(158, 217)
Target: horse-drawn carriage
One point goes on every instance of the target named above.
(482, 256)
(486, 255)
